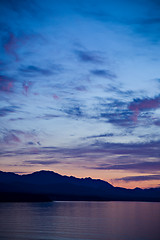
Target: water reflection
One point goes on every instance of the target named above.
(80, 220)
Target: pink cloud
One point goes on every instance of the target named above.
(135, 115)
(26, 86)
(145, 104)
(11, 45)
(11, 138)
(6, 84)
(14, 43)
(55, 97)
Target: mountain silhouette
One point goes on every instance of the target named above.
(49, 186)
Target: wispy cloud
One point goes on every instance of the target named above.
(11, 137)
(74, 111)
(11, 45)
(81, 88)
(48, 116)
(103, 73)
(4, 111)
(101, 135)
(118, 117)
(31, 71)
(89, 56)
(138, 150)
(138, 157)
(141, 167)
(6, 84)
(139, 178)
(40, 162)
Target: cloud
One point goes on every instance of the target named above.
(133, 157)
(75, 111)
(81, 88)
(126, 113)
(13, 136)
(141, 167)
(26, 87)
(41, 162)
(138, 151)
(13, 42)
(120, 117)
(114, 110)
(10, 138)
(31, 143)
(32, 70)
(48, 116)
(101, 135)
(6, 84)
(30, 47)
(119, 91)
(11, 45)
(146, 104)
(139, 178)
(134, 15)
(17, 119)
(89, 57)
(103, 73)
(4, 111)
(146, 26)
(55, 97)
(157, 123)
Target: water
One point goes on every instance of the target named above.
(80, 220)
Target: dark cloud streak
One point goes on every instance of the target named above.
(41, 162)
(139, 178)
(103, 73)
(89, 57)
(31, 70)
(140, 167)
(8, 110)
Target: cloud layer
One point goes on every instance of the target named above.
(79, 85)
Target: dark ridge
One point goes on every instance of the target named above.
(48, 186)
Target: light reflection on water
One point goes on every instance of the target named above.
(80, 220)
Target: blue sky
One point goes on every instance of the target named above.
(80, 89)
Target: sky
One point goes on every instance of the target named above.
(80, 89)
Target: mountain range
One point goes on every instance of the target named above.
(50, 186)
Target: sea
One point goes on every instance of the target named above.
(76, 220)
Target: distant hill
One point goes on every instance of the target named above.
(49, 186)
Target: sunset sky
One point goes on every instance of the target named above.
(80, 89)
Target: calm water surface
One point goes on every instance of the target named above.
(80, 220)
